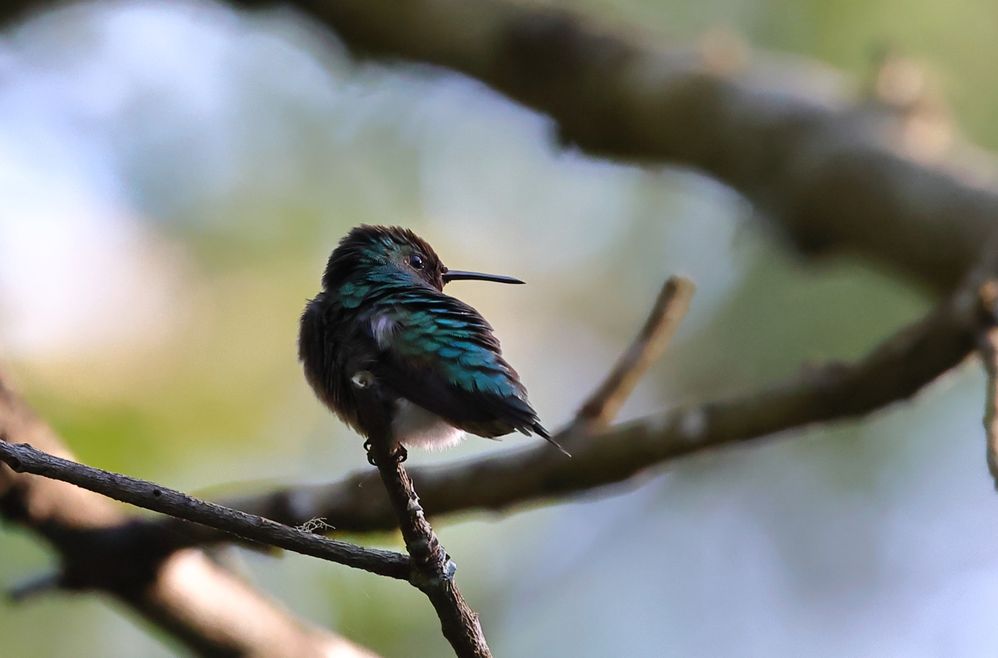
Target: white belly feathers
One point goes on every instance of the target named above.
(415, 427)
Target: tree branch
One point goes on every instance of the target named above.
(988, 348)
(430, 568)
(183, 592)
(832, 175)
(670, 307)
(833, 178)
(23, 458)
(433, 568)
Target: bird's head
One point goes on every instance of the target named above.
(373, 249)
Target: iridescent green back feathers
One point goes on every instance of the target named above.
(383, 309)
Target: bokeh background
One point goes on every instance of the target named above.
(173, 176)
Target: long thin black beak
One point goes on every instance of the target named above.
(459, 275)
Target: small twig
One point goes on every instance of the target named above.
(433, 570)
(36, 585)
(605, 402)
(988, 348)
(989, 355)
(23, 458)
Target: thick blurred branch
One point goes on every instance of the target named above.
(184, 593)
(834, 176)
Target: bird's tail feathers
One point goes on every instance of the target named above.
(544, 434)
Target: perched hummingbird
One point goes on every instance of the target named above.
(382, 313)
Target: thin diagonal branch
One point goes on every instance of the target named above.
(605, 402)
(22, 458)
(432, 567)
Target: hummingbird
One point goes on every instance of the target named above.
(382, 314)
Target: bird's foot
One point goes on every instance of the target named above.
(399, 455)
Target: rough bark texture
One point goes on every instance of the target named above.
(433, 570)
(23, 458)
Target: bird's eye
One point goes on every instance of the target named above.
(416, 261)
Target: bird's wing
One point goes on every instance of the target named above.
(441, 354)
